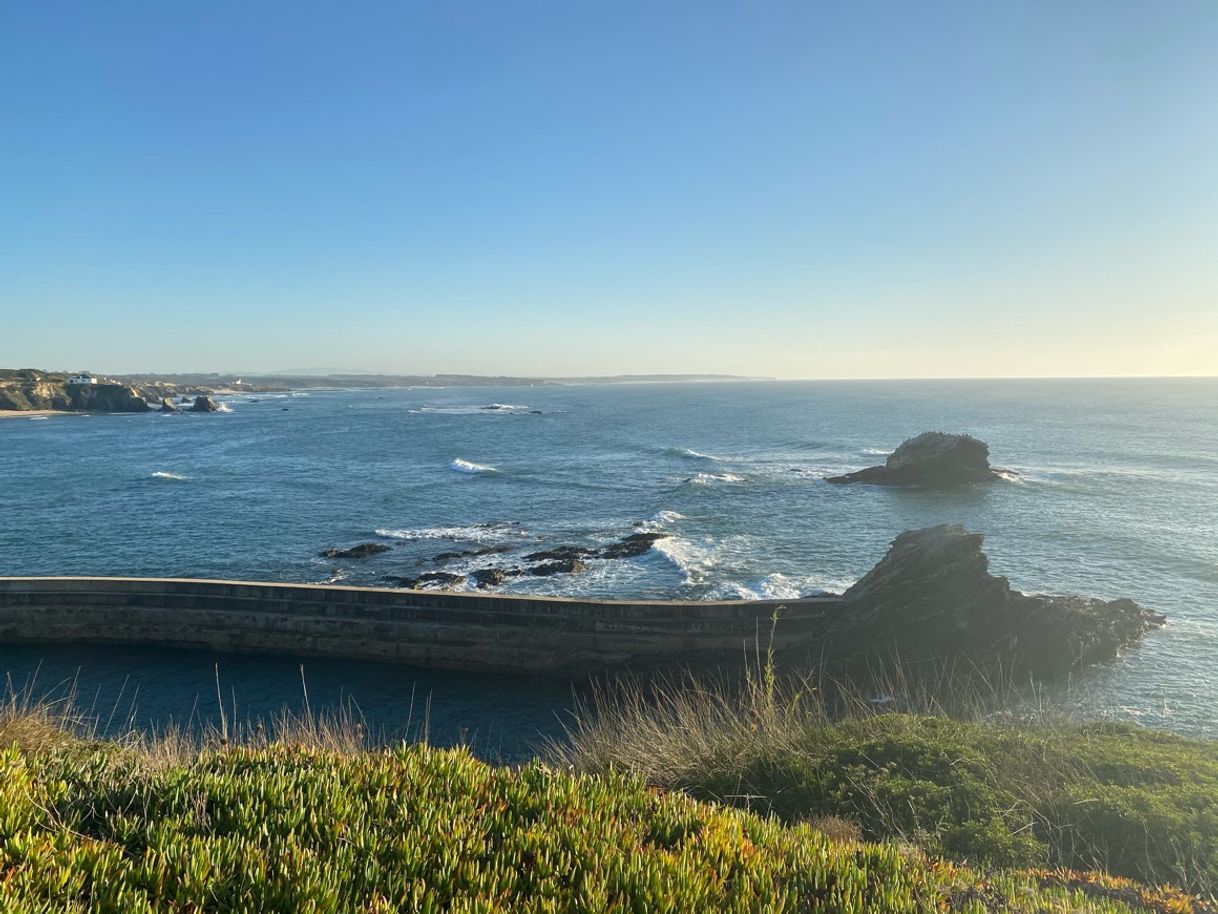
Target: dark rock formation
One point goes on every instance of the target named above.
(362, 551)
(559, 560)
(106, 398)
(572, 565)
(204, 405)
(632, 546)
(493, 577)
(167, 405)
(430, 580)
(931, 459)
(932, 596)
(561, 554)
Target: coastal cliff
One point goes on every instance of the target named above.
(27, 389)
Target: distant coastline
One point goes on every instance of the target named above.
(35, 393)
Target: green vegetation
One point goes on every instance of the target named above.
(986, 790)
(307, 818)
(284, 828)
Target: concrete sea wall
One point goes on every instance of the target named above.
(486, 632)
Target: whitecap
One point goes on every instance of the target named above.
(478, 533)
(779, 586)
(489, 409)
(878, 451)
(39, 418)
(667, 517)
(162, 474)
(465, 466)
(708, 479)
(688, 453)
(223, 408)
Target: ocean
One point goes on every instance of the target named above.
(1116, 495)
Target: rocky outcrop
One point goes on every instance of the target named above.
(561, 559)
(572, 565)
(936, 459)
(204, 405)
(167, 405)
(932, 597)
(430, 580)
(492, 577)
(27, 389)
(632, 546)
(106, 398)
(362, 551)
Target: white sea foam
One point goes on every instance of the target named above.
(162, 474)
(693, 559)
(223, 408)
(688, 453)
(878, 451)
(710, 479)
(39, 418)
(666, 517)
(778, 586)
(465, 466)
(488, 409)
(477, 533)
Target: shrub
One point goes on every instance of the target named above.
(986, 790)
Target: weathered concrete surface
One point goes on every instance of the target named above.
(486, 632)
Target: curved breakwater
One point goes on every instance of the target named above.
(474, 632)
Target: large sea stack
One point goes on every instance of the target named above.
(935, 459)
(932, 597)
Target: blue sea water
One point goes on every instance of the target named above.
(1117, 495)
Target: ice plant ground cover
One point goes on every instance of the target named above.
(87, 826)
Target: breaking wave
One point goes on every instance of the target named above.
(465, 466)
(710, 479)
(666, 517)
(476, 533)
(779, 586)
(162, 474)
(694, 560)
(468, 410)
(688, 453)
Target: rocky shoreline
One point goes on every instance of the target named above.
(931, 598)
(29, 392)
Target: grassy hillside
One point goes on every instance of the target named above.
(988, 790)
(93, 827)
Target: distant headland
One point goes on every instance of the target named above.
(28, 391)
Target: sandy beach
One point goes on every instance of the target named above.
(34, 413)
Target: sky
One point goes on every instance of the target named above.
(804, 189)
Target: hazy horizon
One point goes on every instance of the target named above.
(781, 190)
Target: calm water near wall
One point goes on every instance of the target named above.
(1118, 496)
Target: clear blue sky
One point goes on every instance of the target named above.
(792, 189)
